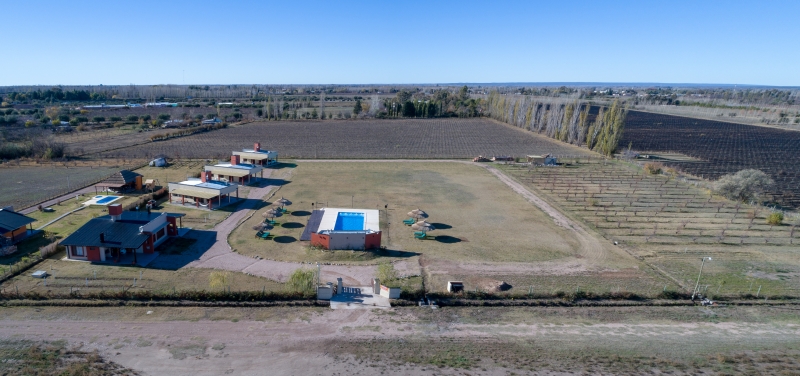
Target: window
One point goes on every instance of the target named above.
(160, 234)
(79, 251)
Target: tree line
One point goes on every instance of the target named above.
(563, 120)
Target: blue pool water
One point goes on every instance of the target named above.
(106, 199)
(349, 222)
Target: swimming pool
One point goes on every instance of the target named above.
(105, 199)
(349, 222)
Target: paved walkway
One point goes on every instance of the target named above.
(360, 297)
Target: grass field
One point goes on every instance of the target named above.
(672, 223)
(479, 220)
(69, 276)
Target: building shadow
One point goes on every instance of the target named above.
(395, 253)
(282, 165)
(447, 239)
(203, 240)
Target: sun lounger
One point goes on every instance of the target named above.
(263, 234)
(409, 221)
(420, 235)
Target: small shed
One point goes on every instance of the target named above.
(158, 162)
(122, 180)
(455, 286)
(546, 160)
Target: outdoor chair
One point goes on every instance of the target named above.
(264, 235)
(420, 235)
(409, 222)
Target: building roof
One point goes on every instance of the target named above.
(210, 184)
(194, 193)
(235, 172)
(119, 179)
(329, 216)
(122, 233)
(11, 220)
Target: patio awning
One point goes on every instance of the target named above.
(193, 193)
(235, 172)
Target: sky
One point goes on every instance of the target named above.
(404, 42)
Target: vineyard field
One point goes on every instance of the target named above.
(412, 138)
(25, 186)
(723, 148)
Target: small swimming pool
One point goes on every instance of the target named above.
(349, 222)
(105, 199)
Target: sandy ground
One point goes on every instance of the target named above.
(292, 344)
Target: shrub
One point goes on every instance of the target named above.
(654, 168)
(98, 119)
(115, 118)
(775, 218)
(82, 119)
(744, 185)
(163, 116)
(387, 274)
(302, 281)
(132, 118)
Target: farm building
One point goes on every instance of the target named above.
(211, 121)
(13, 226)
(203, 192)
(257, 156)
(122, 237)
(546, 160)
(235, 171)
(122, 181)
(332, 228)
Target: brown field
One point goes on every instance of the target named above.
(413, 138)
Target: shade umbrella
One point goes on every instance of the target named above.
(283, 202)
(418, 214)
(423, 226)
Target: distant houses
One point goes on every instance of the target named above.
(235, 171)
(211, 121)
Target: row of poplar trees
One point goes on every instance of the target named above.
(567, 121)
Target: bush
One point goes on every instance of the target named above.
(98, 119)
(163, 116)
(82, 119)
(303, 281)
(132, 118)
(115, 118)
(387, 274)
(744, 185)
(654, 168)
(775, 218)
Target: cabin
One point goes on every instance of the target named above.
(203, 193)
(122, 181)
(354, 229)
(544, 160)
(235, 171)
(13, 226)
(123, 237)
(257, 156)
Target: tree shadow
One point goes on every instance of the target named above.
(447, 239)
(292, 225)
(300, 213)
(441, 226)
(285, 239)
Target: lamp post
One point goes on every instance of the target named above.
(697, 284)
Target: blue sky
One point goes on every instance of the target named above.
(326, 42)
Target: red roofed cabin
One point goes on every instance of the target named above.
(122, 236)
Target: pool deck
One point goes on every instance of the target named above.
(96, 200)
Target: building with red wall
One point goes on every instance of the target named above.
(334, 228)
(121, 237)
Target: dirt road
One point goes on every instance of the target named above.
(303, 341)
